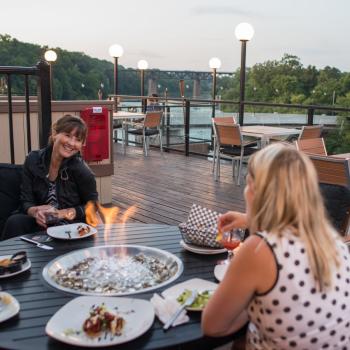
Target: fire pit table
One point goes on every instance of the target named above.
(39, 300)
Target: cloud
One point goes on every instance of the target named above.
(146, 53)
(219, 10)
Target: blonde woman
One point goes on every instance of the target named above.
(291, 279)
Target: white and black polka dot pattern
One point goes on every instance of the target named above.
(294, 314)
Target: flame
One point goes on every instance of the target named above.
(96, 214)
(128, 212)
(91, 214)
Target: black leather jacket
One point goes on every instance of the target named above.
(75, 183)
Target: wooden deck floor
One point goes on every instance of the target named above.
(164, 186)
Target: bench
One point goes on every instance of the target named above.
(10, 188)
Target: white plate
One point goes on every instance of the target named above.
(59, 232)
(201, 250)
(138, 315)
(219, 271)
(9, 310)
(197, 284)
(26, 266)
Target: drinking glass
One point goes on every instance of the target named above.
(231, 240)
(51, 216)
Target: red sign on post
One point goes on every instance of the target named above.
(97, 141)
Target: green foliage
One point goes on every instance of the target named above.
(77, 76)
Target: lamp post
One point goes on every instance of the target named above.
(214, 64)
(50, 56)
(116, 51)
(244, 32)
(142, 65)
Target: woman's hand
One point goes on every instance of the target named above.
(232, 220)
(67, 214)
(38, 214)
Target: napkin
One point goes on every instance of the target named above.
(166, 307)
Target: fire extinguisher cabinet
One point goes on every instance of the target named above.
(97, 142)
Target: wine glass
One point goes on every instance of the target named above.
(230, 241)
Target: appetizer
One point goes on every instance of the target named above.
(101, 320)
(199, 303)
(219, 236)
(13, 264)
(83, 230)
(5, 299)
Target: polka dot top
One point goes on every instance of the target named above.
(294, 314)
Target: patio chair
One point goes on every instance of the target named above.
(334, 178)
(310, 132)
(149, 126)
(226, 120)
(311, 146)
(231, 145)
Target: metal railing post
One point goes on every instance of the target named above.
(167, 126)
(310, 116)
(9, 97)
(187, 127)
(44, 102)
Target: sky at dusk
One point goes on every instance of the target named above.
(184, 35)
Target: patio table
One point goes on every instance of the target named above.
(124, 115)
(342, 155)
(266, 132)
(39, 301)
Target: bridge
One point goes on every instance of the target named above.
(153, 75)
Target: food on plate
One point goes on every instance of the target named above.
(5, 299)
(13, 264)
(101, 320)
(199, 303)
(83, 230)
(219, 236)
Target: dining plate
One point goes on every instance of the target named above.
(138, 315)
(197, 284)
(71, 231)
(219, 271)
(201, 250)
(9, 306)
(26, 266)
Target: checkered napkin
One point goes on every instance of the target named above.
(201, 227)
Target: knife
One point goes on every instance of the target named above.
(38, 244)
(189, 301)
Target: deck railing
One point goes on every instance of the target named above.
(187, 122)
(42, 74)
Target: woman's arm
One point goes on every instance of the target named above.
(253, 269)
(86, 184)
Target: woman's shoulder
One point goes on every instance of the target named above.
(79, 167)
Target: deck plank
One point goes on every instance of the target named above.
(164, 186)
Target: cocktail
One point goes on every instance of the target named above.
(231, 240)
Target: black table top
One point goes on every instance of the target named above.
(39, 301)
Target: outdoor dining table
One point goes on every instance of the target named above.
(265, 133)
(342, 155)
(39, 301)
(123, 116)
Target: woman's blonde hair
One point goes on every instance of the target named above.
(287, 196)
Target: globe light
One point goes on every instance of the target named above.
(116, 51)
(142, 64)
(50, 56)
(214, 63)
(244, 32)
